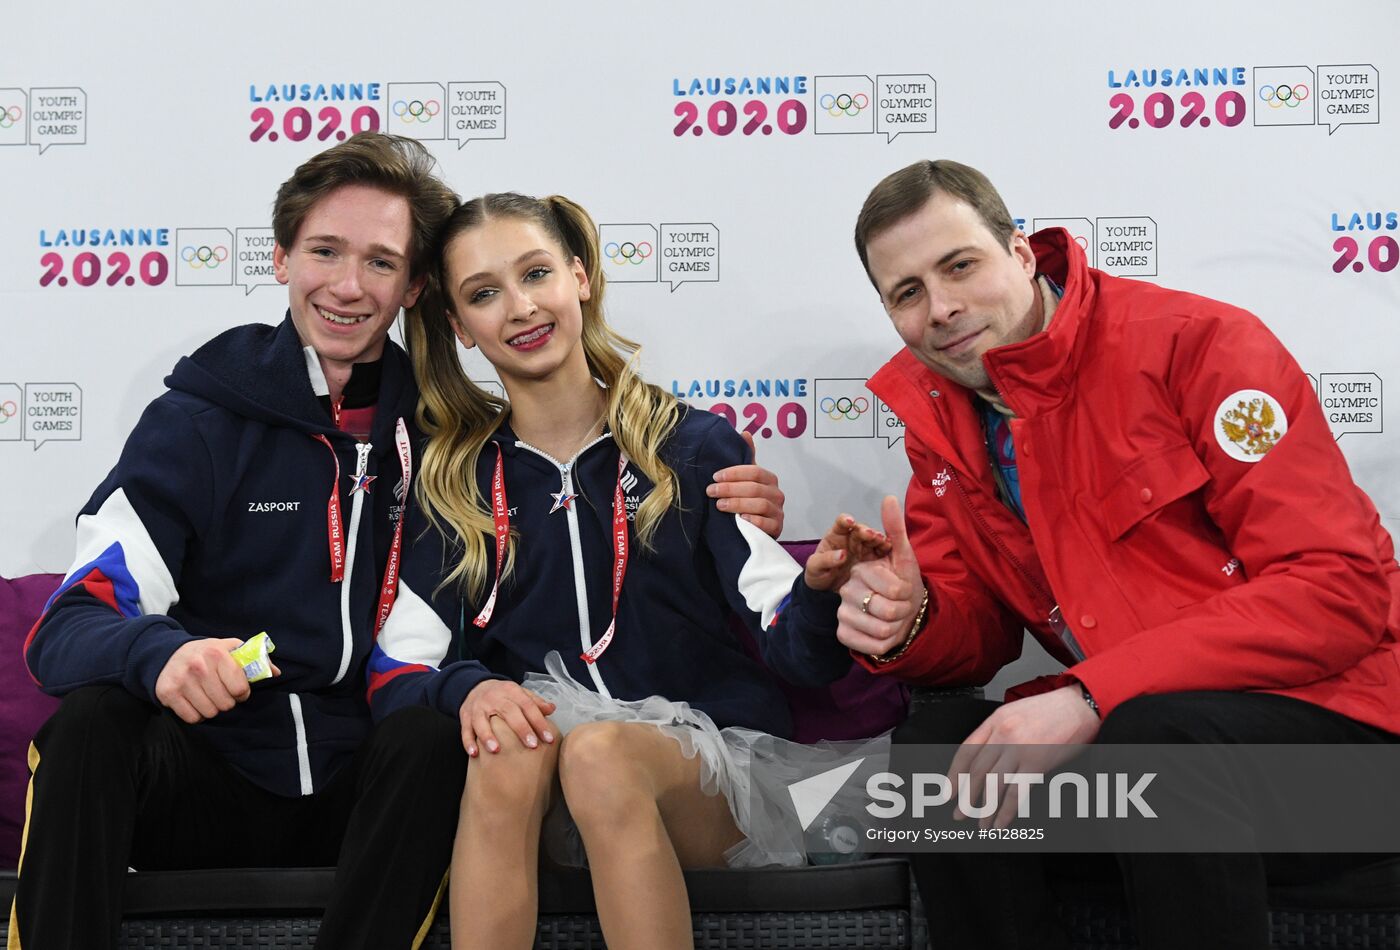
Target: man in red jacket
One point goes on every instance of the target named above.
(1144, 480)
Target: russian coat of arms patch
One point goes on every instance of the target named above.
(1249, 423)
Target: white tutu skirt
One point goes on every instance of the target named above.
(751, 769)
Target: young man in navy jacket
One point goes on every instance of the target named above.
(267, 490)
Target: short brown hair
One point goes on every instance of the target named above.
(398, 165)
(909, 189)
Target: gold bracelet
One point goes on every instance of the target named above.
(913, 632)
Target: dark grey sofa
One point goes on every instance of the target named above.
(857, 905)
(871, 904)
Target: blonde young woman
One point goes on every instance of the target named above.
(597, 573)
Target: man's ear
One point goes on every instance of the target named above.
(279, 263)
(414, 288)
(1020, 248)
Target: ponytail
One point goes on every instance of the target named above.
(458, 417)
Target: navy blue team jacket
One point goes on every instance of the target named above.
(214, 524)
(673, 635)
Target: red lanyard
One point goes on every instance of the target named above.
(500, 514)
(501, 517)
(333, 523)
(619, 562)
(389, 590)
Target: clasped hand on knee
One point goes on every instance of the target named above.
(521, 710)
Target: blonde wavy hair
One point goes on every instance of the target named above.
(459, 417)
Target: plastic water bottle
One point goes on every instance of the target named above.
(836, 839)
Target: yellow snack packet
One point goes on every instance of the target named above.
(252, 655)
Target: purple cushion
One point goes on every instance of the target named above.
(23, 708)
(856, 706)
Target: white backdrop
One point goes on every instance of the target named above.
(1208, 146)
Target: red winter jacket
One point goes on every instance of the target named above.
(1187, 505)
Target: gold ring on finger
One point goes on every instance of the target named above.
(865, 602)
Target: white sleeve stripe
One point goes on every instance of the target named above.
(414, 633)
(767, 575)
(117, 522)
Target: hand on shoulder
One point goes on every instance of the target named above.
(751, 492)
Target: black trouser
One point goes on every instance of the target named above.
(1178, 900)
(120, 782)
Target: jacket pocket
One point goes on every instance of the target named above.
(1163, 547)
(1149, 485)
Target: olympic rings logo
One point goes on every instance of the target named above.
(844, 104)
(204, 256)
(1279, 96)
(8, 410)
(417, 110)
(628, 252)
(844, 407)
(10, 116)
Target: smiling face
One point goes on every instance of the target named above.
(515, 294)
(952, 289)
(347, 274)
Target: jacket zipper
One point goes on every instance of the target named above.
(303, 755)
(585, 623)
(1053, 617)
(362, 451)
